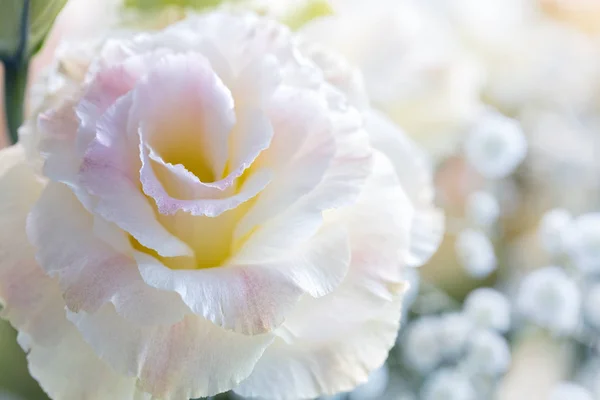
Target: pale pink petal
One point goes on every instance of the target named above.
(109, 172)
(186, 114)
(200, 116)
(190, 359)
(343, 359)
(416, 178)
(323, 167)
(331, 344)
(31, 301)
(69, 370)
(254, 298)
(89, 270)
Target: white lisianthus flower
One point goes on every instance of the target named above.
(213, 213)
(415, 68)
(550, 298)
(495, 146)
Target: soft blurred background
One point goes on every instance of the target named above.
(503, 96)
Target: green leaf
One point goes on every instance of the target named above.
(24, 25)
(157, 4)
(312, 9)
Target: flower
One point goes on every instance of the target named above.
(214, 212)
(482, 208)
(496, 146)
(551, 299)
(487, 308)
(421, 346)
(476, 253)
(583, 242)
(455, 329)
(448, 384)
(553, 230)
(488, 353)
(415, 69)
(590, 305)
(570, 391)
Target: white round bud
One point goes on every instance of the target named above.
(551, 299)
(488, 308)
(496, 145)
(476, 253)
(482, 209)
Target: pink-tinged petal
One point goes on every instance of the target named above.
(109, 172)
(58, 130)
(31, 301)
(358, 322)
(90, 272)
(108, 85)
(343, 359)
(176, 189)
(69, 370)
(258, 81)
(186, 114)
(190, 359)
(416, 178)
(254, 298)
(301, 151)
(325, 171)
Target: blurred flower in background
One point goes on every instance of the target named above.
(504, 96)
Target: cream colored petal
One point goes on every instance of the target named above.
(331, 344)
(90, 271)
(255, 298)
(70, 370)
(416, 178)
(31, 300)
(190, 359)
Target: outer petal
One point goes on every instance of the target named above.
(416, 179)
(89, 270)
(69, 370)
(59, 360)
(32, 301)
(190, 359)
(254, 298)
(330, 344)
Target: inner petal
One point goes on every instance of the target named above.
(186, 115)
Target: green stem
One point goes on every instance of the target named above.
(15, 83)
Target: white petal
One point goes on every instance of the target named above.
(31, 300)
(190, 359)
(254, 297)
(331, 344)
(322, 160)
(69, 370)
(90, 271)
(416, 179)
(109, 171)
